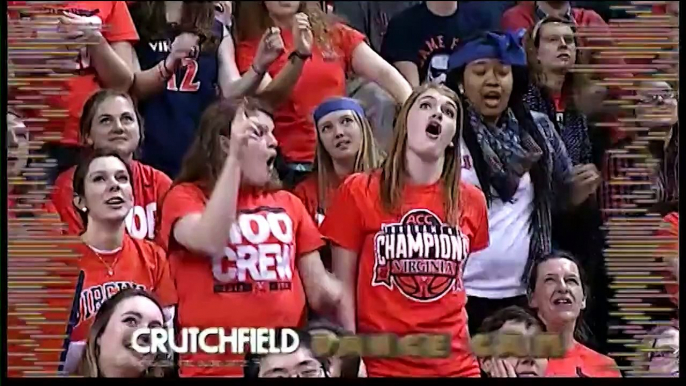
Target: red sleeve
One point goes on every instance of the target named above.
(307, 236)
(347, 39)
(245, 54)
(62, 198)
(119, 26)
(343, 222)
(475, 217)
(162, 185)
(181, 200)
(516, 18)
(164, 285)
(305, 192)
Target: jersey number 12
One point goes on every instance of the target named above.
(188, 83)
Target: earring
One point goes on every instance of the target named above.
(84, 209)
(460, 88)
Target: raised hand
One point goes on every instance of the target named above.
(585, 181)
(271, 46)
(185, 45)
(242, 129)
(302, 34)
(80, 27)
(498, 368)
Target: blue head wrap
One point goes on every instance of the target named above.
(336, 104)
(507, 47)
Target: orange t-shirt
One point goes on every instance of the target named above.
(323, 76)
(671, 230)
(581, 361)
(410, 268)
(117, 26)
(308, 192)
(149, 187)
(137, 264)
(256, 283)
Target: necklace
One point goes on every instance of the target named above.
(110, 268)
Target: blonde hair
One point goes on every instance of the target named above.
(368, 157)
(394, 168)
(88, 365)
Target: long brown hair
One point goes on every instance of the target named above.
(394, 168)
(197, 17)
(368, 157)
(574, 81)
(252, 19)
(88, 365)
(205, 158)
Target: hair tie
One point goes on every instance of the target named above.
(336, 104)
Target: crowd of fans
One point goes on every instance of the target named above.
(346, 167)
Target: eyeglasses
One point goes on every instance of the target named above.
(658, 98)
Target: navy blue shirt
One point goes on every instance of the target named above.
(171, 117)
(416, 35)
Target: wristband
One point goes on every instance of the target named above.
(296, 54)
(164, 74)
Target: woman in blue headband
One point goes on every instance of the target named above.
(521, 160)
(345, 145)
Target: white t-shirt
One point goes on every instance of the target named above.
(496, 272)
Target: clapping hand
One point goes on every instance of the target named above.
(271, 47)
(585, 181)
(86, 28)
(185, 45)
(302, 34)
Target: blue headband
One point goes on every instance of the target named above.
(506, 47)
(336, 104)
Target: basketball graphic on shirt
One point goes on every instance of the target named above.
(420, 256)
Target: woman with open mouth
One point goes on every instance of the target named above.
(108, 350)
(110, 122)
(519, 162)
(242, 252)
(400, 235)
(330, 49)
(558, 293)
(110, 259)
(557, 92)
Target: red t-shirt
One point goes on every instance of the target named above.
(581, 361)
(406, 284)
(670, 230)
(323, 76)
(117, 26)
(149, 187)
(308, 192)
(138, 264)
(256, 283)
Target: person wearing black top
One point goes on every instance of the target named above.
(420, 39)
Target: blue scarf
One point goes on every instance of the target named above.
(508, 151)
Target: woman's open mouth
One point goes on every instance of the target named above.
(492, 99)
(433, 130)
(115, 202)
